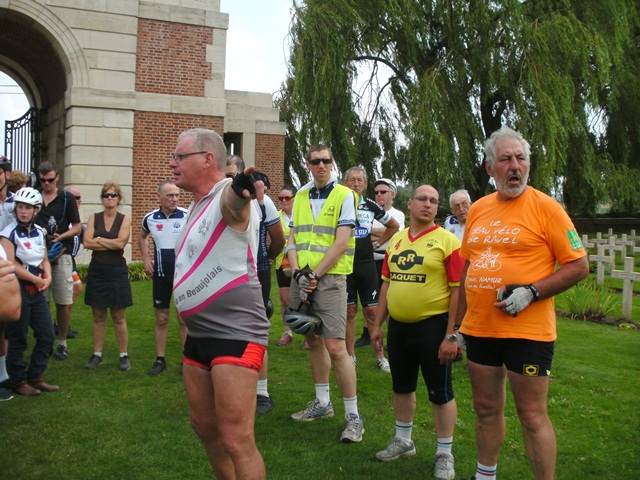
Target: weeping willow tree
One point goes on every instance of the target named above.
(425, 82)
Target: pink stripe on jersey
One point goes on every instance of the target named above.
(193, 224)
(205, 251)
(229, 286)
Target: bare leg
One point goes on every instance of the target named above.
(222, 406)
(99, 327)
(118, 315)
(369, 314)
(162, 327)
(444, 418)
(63, 317)
(489, 396)
(352, 313)
(404, 406)
(320, 360)
(530, 395)
(344, 370)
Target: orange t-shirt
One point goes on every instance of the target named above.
(514, 242)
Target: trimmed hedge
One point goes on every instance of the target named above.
(136, 272)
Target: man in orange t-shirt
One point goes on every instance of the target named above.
(512, 242)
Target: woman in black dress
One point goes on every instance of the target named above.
(108, 285)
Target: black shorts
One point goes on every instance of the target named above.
(413, 346)
(519, 355)
(283, 280)
(363, 283)
(162, 290)
(208, 352)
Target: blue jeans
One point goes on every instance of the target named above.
(35, 314)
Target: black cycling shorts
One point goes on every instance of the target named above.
(527, 357)
(363, 283)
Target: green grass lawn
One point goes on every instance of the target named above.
(107, 424)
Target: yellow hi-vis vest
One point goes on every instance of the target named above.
(313, 238)
(284, 222)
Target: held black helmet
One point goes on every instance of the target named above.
(303, 321)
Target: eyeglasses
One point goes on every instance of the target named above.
(285, 198)
(110, 195)
(47, 180)
(178, 157)
(460, 206)
(424, 198)
(316, 161)
(77, 197)
(382, 192)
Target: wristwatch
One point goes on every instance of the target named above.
(452, 337)
(376, 245)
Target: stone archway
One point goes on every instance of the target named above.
(118, 81)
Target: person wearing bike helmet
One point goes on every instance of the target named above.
(25, 244)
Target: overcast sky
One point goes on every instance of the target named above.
(257, 49)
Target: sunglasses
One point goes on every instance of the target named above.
(285, 198)
(382, 192)
(110, 195)
(316, 161)
(47, 180)
(77, 197)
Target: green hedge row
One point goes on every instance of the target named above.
(136, 272)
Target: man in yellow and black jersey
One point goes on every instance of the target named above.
(421, 263)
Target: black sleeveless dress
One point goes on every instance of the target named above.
(108, 277)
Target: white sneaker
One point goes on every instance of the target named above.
(444, 467)
(314, 410)
(397, 447)
(383, 365)
(354, 429)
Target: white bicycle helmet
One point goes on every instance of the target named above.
(28, 195)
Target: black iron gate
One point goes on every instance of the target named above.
(22, 141)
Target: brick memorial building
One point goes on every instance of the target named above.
(112, 83)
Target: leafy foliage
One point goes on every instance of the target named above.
(429, 81)
(590, 301)
(136, 272)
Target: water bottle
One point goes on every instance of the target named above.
(51, 225)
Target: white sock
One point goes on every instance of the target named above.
(62, 342)
(322, 393)
(351, 406)
(98, 354)
(444, 445)
(262, 388)
(3, 368)
(404, 430)
(123, 354)
(486, 472)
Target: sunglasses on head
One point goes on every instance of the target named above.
(285, 198)
(110, 195)
(316, 161)
(46, 180)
